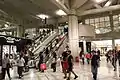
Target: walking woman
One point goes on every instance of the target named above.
(20, 63)
(94, 65)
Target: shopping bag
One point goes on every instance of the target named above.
(43, 66)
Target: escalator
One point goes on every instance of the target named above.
(58, 48)
(44, 44)
(38, 40)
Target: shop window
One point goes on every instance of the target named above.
(92, 24)
(87, 21)
(115, 23)
(96, 20)
(96, 25)
(107, 24)
(106, 18)
(91, 20)
(102, 24)
(115, 17)
(101, 19)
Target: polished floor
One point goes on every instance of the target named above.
(84, 72)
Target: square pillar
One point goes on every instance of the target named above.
(73, 35)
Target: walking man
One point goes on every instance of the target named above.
(70, 64)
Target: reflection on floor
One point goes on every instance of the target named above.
(84, 71)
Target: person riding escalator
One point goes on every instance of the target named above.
(40, 60)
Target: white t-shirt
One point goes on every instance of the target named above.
(20, 62)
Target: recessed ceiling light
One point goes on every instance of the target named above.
(99, 1)
(6, 25)
(60, 13)
(43, 16)
(57, 0)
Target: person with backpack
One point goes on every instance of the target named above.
(70, 65)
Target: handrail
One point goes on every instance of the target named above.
(44, 46)
(48, 57)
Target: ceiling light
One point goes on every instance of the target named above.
(6, 25)
(57, 0)
(60, 12)
(99, 1)
(43, 16)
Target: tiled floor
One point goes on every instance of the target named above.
(84, 71)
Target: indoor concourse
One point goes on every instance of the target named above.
(84, 72)
(35, 34)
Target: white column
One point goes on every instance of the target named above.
(73, 35)
(113, 43)
(84, 46)
(20, 31)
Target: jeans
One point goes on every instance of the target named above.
(94, 70)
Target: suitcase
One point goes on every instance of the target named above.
(43, 66)
(77, 59)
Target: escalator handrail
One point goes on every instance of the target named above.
(56, 48)
(46, 44)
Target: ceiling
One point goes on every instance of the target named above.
(23, 12)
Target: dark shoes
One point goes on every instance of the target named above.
(68, 78)
(65, 77)
(76, 77)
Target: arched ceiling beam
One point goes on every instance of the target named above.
(61, 6)
(101, 10)
(108, 3)
(77, 3)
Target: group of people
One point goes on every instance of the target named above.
(7, 64)
(67, 64)
(112, 56)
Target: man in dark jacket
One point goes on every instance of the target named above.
(95, 64)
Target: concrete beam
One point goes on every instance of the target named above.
(77, 3)
(108, 3)
(101, 10)
(97, 6)
(60, 5)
